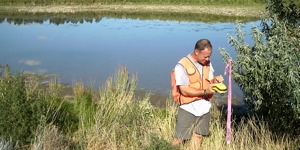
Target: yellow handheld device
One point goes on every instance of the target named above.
(220, 88)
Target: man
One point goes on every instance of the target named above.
(194, 79)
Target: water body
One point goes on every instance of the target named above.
(91, 51)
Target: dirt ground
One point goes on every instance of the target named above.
(207, 9)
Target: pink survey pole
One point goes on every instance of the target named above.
(228, 125)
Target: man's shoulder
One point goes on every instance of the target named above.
(179, 67)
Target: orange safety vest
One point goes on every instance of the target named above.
(195, 81)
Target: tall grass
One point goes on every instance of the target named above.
(121, 122)
(49, 137)
(113, 118)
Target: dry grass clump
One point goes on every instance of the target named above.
(49, 138)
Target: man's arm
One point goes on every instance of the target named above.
(190, 91)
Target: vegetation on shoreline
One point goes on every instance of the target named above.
(88, 2)
(237, 8)
(111, 118)
(268, 70)
(233, 11)
(20, 12)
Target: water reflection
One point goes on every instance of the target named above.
(92, 50)
(81, 17)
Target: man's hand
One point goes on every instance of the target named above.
(218, 79)
(210, 90)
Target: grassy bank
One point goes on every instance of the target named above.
(112, 118)
(242, 11)
(177, 2)
(60, 14)
(244, 8)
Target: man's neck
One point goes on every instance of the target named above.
(193, 56)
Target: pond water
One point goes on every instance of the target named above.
(91, 51)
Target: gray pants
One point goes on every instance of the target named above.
(187, 124)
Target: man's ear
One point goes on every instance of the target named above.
(197, 52)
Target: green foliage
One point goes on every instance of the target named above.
(84, 106)
(24, 105)
(269, 74)
(59, 112)
(20, 112)
(269, 71)
(63, 116)
(287, 10)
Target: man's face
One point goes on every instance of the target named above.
(203, 56)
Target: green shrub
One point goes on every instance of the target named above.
(60, 112)
(84, 106)
(20, 113)
(268, 74)
(286, 10)
(63, 115)
(24, 105)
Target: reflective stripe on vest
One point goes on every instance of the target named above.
(196, 81)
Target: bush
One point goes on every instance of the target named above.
(287, 10)
(24, 104)
(268, 74)
(20, 112)
(268, 71)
